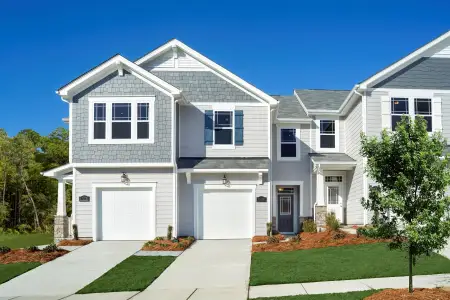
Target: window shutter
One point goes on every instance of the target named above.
(386, 112)
(209, 127)
(437, 114)
(239, 127)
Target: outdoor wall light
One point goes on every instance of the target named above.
(124, 178)
(224, 179)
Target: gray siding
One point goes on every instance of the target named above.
(295, 170)
(373, 113)
(353, 128)
(445, 114)
(128, 85)
(186, 199)
(203, 86)
(192, 133)
(426, 73)
(164, 194)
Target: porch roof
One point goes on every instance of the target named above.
(224, 163)
(335, 160)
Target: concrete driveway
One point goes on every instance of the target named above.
(214, 269)
(71, 272)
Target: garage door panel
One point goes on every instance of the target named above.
(225, 214)
(125, 214)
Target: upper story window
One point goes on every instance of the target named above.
(413, 107)
(223, 128)
(327, 134)
(288, 144)
(121, 120)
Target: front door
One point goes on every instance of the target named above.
(334, 201)
(286, 213)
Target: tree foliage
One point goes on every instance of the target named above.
(28, 198)
(409, 201)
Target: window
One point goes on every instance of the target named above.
(288, 146)
(422, 107)
(121, 120)
(333, 178)
(333, 195)
(285, 205)
(327, 134)
(399, 107)
(223, 128)
(285, 190)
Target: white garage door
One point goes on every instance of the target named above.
(125, 214)
(225, 214)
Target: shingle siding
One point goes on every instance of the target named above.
(426, 73)
(127, 85)
(204, 86)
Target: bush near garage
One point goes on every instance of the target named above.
(176, 244)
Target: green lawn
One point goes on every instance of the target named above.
(133, 274)
(9, 271)
(339, 263)
(14, 241)
(343, 296)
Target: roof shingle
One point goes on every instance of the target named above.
(322, 99)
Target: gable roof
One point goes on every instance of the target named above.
(289, 107)
(322, 99)
(430, 48)
(252, 90)
(117, 62)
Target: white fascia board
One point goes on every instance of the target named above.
(115, 63)
(405, 61)
(123, 165)
(301, 102)
(349, 163)
(293, 120)
(57, 171)
(209, 63)
(223, 170)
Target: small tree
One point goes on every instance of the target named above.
(412, 173)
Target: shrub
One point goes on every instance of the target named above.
(174, 240)
(273, 240)
(182, 245)
(50, 248)
(331, 222)
(191, 239)
(32, 248)
(75, 231)
(169, 232)
(164, 245)
(160, 238)
(4, 249)
(269, 228)
(309, 226)
(383, 231)
(11, 231)
(295, 239)
(24, 228)
(150, 243)
(338, 235)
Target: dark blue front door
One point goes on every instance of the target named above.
(286, 213)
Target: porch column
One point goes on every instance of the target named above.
(319, 188)
(61, 228)
(61, 207)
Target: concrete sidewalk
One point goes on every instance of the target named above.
(343, 286)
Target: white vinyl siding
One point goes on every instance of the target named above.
(261, 209)
(444, 53)
(186, 61)
(445, 104)
(374, 115)
(163, 197)
(163, 61)
(192, 133)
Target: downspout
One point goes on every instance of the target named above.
(315, 203)
(175, 168)
(270, 194)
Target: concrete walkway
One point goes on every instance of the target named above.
(66, 275)
(214, 269)
(343, 286)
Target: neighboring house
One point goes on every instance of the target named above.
(175, 139)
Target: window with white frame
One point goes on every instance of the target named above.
(413, 107)
(223, 128)
(422, 107)
(288, 148)
(121, 120)
(327, 134)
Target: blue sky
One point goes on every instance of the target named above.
(275, 45)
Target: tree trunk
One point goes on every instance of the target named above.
(32, 202)
(410, 271)
(4, 188)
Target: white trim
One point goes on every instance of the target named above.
(70, 133)
(215, 68)
(96, 186)
(224, 108)
(74, 197)
(405, 61)
(297, 143)
(234, 104)
(293, 120)
(133, 100)
(223, 170)
(57, 171)
(336, 134)
(200, 188)
(111, 65)
(269, 151)
(342, 185)
(352, 163)
(301, 102)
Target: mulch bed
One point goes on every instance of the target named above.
(263, 238)
(316, 240)
(74, 242)
(166, 245)
(22, 255)
(418, 294)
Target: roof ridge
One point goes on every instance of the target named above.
(329, 90)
